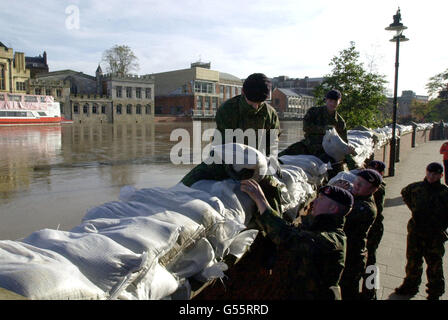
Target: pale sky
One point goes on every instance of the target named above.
(296, 38)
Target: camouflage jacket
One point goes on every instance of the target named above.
(429, 205)
(379, 197)
(315, 123)
(357, 225)
(236, 113)
(317, 253)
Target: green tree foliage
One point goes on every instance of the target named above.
(120, 59)
(363, 92)
(438, 83)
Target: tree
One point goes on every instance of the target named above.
(363, 92)
(420, 111)
(120, 59)
(438, 84)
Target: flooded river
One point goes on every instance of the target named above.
(51, 175)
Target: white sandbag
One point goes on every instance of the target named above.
(157, 284)
(138, 234)
(42, 274)
(242, 242)
(298, 190)
(334, 146)
(315, 169)
(240, 156)
(213, 270)
(193, 260)
(107, 264)
(238, 203)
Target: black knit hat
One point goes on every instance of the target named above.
(257, 87)
(338, 194)
(371, 176)
(435, 167)
(379, 166)
(334, 94)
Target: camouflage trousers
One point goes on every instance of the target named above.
(429, 246)
(352, 274)
(373, 241)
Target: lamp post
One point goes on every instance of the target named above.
(398, 27)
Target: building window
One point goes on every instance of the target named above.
(38, 91)
(2, 77)
(48, 92)
(214, 103)
(103, 109)
(148, 93)
(148, 109)
(221, 92)
(76, 108)
(129, 109)
(228, 91)
(207, 103)
(138, 93)
(85, 109)
(95, 109)
(138, 109)
(198, 102)
(203, 87)
(118, 92)
(59, 93)
(119, 109)
(20, 86)
(128, 92)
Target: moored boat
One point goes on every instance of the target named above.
(16, 109)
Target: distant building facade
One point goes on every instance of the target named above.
(290, 104)
(301, 85)
(13, 73)
(405, 101)
(37, 65)
(100, 99)
(197, 91)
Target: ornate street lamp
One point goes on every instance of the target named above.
(398, 27)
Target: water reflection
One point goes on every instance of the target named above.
(50, 175)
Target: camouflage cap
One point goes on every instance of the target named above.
(435, 167)
(338, 194)
(371, 176)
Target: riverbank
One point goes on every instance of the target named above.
(391, 254)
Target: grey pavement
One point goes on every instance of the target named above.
(391, 254)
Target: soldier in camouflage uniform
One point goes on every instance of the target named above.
(377, 229)
(245, 111)
(428, 202)
(356, 228)
(315, 123)
(316, 251)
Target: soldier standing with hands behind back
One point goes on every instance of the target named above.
(428, 201)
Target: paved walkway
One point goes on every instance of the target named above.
(391, 254)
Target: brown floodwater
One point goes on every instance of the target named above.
(51, 175)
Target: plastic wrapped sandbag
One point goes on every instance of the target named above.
(315, 169)
(41, 274)
(107, 264)
(138, 234)
(334, 146)
(240, 156)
